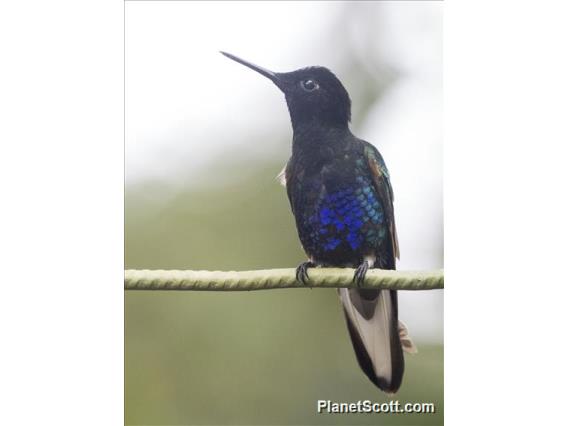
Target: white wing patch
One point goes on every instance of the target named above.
(281, 177)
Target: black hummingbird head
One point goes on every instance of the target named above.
(313, 94)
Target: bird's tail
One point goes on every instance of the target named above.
(377, 336)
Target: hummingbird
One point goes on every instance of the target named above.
(342, 200)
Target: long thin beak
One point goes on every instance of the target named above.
(267, 73)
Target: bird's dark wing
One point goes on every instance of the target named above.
(372, 315)
(381, 182)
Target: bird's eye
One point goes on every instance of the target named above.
(309, 85)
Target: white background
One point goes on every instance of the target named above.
(61, 167)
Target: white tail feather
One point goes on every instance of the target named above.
(408, 345)
(374, 332)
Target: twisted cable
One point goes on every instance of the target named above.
(278, 278)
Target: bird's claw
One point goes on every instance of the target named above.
(302, 272)
(360, 273)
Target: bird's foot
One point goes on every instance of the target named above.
(302, 271)
(360, 272)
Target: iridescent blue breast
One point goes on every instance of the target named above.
(347, 218)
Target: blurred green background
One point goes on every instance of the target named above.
(264, 358)
(242, 358)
